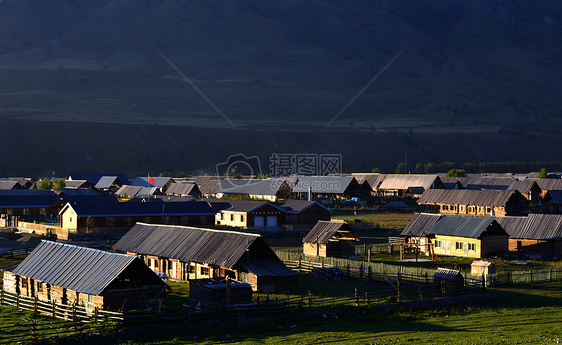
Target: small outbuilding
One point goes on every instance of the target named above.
(219, 290)
(330, 239)
(480, 267)
(448, 281)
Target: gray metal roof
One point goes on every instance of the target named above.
(8, 184)
(446, 273)
(128, 190)
(210, 187)
(107, 181)
(549, 183)
(540, 227)
(373, 179)
(324, 231)
(471, 227)
(76, 184)
(252, 187)
(419, 225)
(511, 225)
(325, 184)
(189, 244)
(403, 181)
(297, 206)
(183, 188)
(76, 268)
(469, 197)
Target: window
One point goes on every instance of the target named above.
(26, 212)
(129, 221)
(146, 219)
(242, 218)
(462, 208)
(24, 283)
(109, 221)
(91, 221)
(204, 271)
(471, 246)
(437, 243)
(203, 220)
(458, 245)
(192, 269)
(232, 218)
(166, 220)
(11, 212)
(184, 220)
(39, 287)
(222, 216)
(90, 301)
(42, 211)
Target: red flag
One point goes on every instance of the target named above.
(151, 180)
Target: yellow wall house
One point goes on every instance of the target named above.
(473, 237)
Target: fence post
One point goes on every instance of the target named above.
(33, 331)
(54, 309)
(301, 304)
(267, 305)
(369, 254)
(367, 298)
(35, 305)
(96, 314)
(531, 274)
(309, 299)
(370, 272)
(398, 287)
(361, 271)
(356, 297)
(17, 301)
(420, 296)
(483, 282)
(2, 297)
(299, 266)
(74, 312)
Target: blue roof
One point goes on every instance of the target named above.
(471, 227)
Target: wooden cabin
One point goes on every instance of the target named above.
(302, 212)
(68, 274)
(330, 239)
(448, 281)
(186, 253)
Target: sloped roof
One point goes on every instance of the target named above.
(468, 197)
(149, 209)
(471, 227)
(373, 179)
(210, 187)
(267, 268)
(93, 178)
(297, 206)
(419, 225)
(556, 196)
(76, 268)
(189, 244)
(244, 205)
(26, 192)
(324, 184)
(107, 181)
(77, 191)
(403, 181)
(512, 225)
(183, 188)
(158, 181)
(323, 231)
(128, 190)
(251, 187)
(540, 227)
(28, 201)
(446, 273)
(9, 184)
(549, 183)
(76, 184)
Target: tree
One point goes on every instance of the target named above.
(456, 173)
(401, 168)
(59, 184)
(376, 170)
(420, 168)
(46, 184)
(543, 173)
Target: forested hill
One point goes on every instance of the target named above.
(473, 63)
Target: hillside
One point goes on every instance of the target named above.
(472, 67)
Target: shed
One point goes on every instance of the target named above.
(480, 267)
(219, 290)
(448, 281)
(330, 239)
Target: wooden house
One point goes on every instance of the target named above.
(247, 213)
(448, 281)
(370, 182)
(330, 239)
(272, 190)
(302, 212)
(184, 189)
(547, 184)
(161, 183)
(474, 237)
(108, 184)
(185, 253)
(29, 204)
(540, 233)
(415, 233)
(474, 202)
(327, 188)
(396, 185)
(68, 274)
(119, 217)
(552, 202)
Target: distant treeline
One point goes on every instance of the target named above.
(482, 167)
